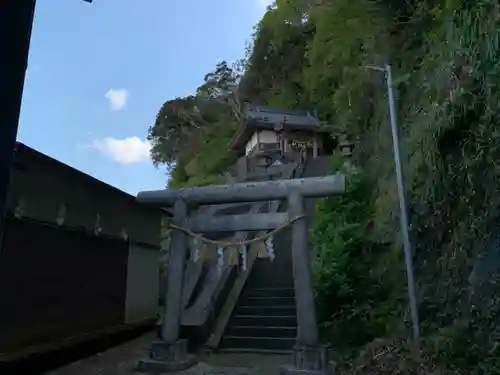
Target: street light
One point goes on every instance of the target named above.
(403, 212)
(16, 21)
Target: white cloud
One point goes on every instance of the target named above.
(130, 150)
(117, 99)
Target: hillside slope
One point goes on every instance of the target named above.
(445, 57)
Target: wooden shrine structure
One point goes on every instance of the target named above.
(273, 136)
(266, 131)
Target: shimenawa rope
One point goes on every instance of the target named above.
(224, 244)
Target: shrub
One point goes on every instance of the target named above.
(353, 275)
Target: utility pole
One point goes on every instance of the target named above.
(16, 23)
(403, 208)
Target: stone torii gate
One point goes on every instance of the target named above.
(170, 353)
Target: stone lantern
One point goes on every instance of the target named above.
(346, 148)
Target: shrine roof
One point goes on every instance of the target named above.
(266, 118)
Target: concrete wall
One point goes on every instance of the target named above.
(57, 283)
(142, 283)
(241, 168)
(40, 188)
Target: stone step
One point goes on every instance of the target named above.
(270, 292)
(275, 276)
(268, 301)
(262, 331)
(263, 321)
(266, 310)
(282, 352)
(268, 343)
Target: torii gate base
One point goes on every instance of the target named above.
(167, 357)
(309, 357)
(311, 360)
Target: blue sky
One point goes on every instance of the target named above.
(98, 73)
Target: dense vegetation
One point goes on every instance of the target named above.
(445, 56)
(191, 135)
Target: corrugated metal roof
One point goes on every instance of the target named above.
(24, 152)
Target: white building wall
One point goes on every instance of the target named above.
(251, 143)
(262, 136)
(268, 136)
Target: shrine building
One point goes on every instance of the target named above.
(267, 132)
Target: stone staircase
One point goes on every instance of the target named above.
(265, 317)
(209, 296)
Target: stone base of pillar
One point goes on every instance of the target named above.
(167, 357)
(309, 361)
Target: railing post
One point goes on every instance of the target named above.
(302, 275)
(177, 262)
